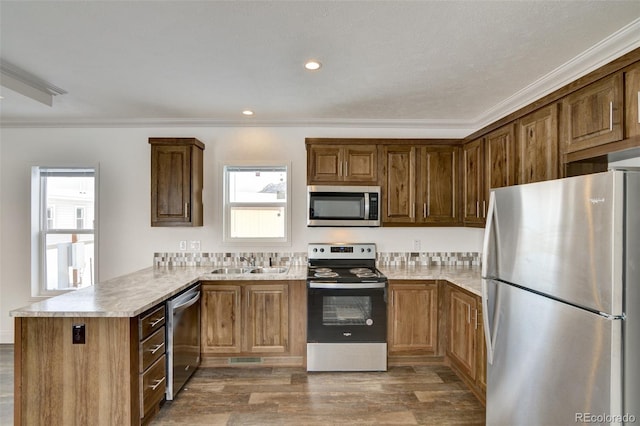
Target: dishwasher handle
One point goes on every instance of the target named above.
(185, 305)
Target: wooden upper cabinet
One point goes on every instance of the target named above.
(499, 164)
(473, 187)
(593, 116)
(537, 146)
(176, 181)
(420, 184)
(632, 101)
(328, 164)
(488, 163)
(437, 200)
(398, 170)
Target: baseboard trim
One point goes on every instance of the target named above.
(6, 337)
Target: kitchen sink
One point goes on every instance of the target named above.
(270, 270)
(256, 270)
(231, 270)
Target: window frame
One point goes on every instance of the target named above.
(40, 226)
(227, 205)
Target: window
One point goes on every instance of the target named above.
(63, 228)
(256, 204)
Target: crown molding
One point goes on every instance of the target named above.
(460, 126)
(616, 45)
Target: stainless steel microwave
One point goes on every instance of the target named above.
(329, 205)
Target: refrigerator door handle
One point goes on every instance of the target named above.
(489, 246)
(488, 331)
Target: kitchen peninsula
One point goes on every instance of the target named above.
(101, 380)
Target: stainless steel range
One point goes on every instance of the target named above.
(347, 309)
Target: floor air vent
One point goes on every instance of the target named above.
(245, 360)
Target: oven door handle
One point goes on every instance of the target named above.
(357, 286)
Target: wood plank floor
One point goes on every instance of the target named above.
(420, 395)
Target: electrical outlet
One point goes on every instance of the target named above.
(416, 245)
(194, 245)
(183, 244)
(78, 334)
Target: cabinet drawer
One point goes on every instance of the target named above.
(151, 322)
(153, 385)
(151, 349)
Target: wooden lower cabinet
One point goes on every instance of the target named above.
(466, 352)
(412, 333)
(242, 319)
(116, 377)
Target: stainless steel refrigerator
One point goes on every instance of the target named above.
(561, 301)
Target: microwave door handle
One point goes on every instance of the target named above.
(366, 206)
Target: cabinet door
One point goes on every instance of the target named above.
(413, 318)
(220, 319)
(324, 164)
(361, 164)
(537, 146)
(632, 101)
(267, 318)
(176, 181)
(438, 194)
(592, 116)
(473, 188)
(461, 337)
(499, 164)
(170, 184)
(399, 180)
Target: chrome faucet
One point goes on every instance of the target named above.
(250, 260)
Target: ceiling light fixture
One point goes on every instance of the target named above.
(247, 112)
(312, 65)
(27, 84)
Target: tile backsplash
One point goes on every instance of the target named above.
(300, 258)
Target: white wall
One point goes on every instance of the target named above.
(631, 162)
(127, 241)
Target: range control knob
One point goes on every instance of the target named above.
(315, 250)
(321, 250)
(369, 321)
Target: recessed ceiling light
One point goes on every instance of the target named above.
(247, 112)
(312, 65)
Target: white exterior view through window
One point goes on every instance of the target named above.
(256, 205)
(63, 228)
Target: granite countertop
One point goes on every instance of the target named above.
(468, 278)
(132, 294)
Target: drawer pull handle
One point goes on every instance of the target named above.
(156, 322)
(158, 383)
(156, 348)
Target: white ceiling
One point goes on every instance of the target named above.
(441, 64)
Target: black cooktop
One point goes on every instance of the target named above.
(348, 274)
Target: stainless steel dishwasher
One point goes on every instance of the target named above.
(183, 339)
